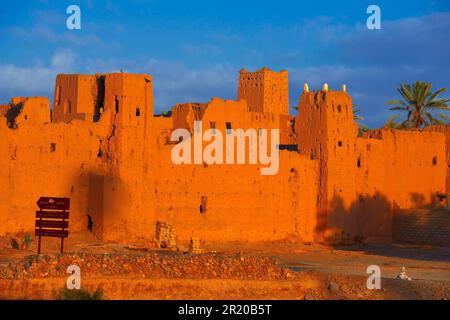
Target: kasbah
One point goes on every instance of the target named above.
(102, 146)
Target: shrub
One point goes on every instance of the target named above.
(27, 240)
(14, 244)
(78, 294)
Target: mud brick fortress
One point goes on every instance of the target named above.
(102, 146)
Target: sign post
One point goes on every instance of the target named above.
(52, 219)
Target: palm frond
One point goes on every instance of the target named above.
(445, 117)
(419, 103)
(390, 123)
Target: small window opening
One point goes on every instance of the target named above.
(90, 224)
(339, 108)
(434, 161)
(117, 104)
(52, 147)
(359, 163)
(228, 124)
(339, 143)
(138, 112)
(203, 204)
(213, 126)
(58, 94)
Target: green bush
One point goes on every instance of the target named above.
(27, 240)
(14, 244)
(78, 294)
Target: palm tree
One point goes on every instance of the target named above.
(358, 119)
(420, 104)
(391, 122)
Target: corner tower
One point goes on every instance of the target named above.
(326, 131)
(265, 90)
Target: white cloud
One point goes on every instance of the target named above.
(63, 60)
(34, 80)
(25, 80)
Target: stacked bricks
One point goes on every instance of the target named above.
(194, 246)
(422, 226)
(165, 235)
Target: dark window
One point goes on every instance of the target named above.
(117, 104)
(228, 124)
(203, 204)
(138, 112)
(52, 147)
(339, 143)
(90, 224)
(58, 94)
(434, 161)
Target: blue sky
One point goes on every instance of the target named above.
(194, 49)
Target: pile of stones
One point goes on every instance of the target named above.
(149, 265)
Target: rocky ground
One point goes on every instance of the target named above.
(282, 270)
(146, 265)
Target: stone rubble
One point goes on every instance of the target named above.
(150, 265)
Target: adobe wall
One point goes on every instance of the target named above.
(77, 159)
(112, 157)
(118, 170)
(41, 158)
(444, 129)
(361, 177)
(241, 204)
(409, 166)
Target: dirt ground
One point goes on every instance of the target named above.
(307, 271)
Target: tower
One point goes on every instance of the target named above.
(129, 105)
(326, 131)
(75, 97)
(265, 90)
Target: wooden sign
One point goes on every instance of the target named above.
(45, 203)
(52, 219)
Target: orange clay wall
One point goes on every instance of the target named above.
(145, 186)
(112, 157)
(40, 158)
(118, 171)
(361, 177)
